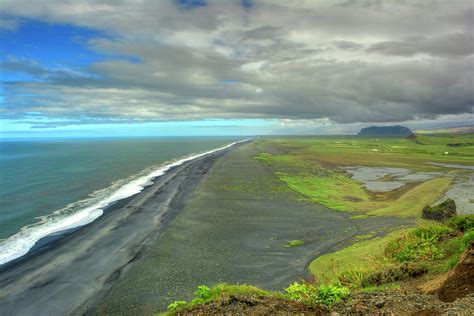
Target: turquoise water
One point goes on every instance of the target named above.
(46, 181)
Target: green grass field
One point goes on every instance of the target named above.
(310, 166)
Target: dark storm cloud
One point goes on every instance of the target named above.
(347, 61)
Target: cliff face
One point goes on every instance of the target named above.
(385, 131)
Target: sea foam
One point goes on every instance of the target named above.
(20, 243)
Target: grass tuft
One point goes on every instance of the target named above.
(294, 243)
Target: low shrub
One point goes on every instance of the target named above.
(332, 294)
(468, 237)
(453, 250)
(352, 278)
(311, 294)
(177, 306)
(462, 222)
(422, 243)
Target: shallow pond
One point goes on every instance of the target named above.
(384, 179)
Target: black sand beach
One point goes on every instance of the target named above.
(70, 274)
(220, 218)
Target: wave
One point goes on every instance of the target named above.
(86, 211)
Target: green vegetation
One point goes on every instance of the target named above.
(334, 190)
(428, 248)
(362, 237)
(462, 222)
(204, 294)
(410, 203)
(305, 293)
(311, 294)
(419, 244)
(312, 167)
(352, 263)
(294, 243)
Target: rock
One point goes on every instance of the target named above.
(440, 212)
(379, 303)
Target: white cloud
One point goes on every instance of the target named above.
(346, 61)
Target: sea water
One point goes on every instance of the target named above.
(48, 186)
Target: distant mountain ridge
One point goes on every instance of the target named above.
(385, 131)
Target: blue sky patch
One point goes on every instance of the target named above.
(191, 4)
(50, 44)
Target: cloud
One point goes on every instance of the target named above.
(447, 45)
(7, 24)
(347, 61)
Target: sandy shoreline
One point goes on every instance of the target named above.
(71, 273)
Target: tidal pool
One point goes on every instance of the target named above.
(384, 179)
(462, 193)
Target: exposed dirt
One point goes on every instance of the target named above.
(393, 302)
(238, 305)
(461, 282)
(389, 275)
(400, 302)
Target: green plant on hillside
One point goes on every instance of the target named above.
(330, 294)
(454, 249)
(468, 237)
(352, 278)
(303, 292)
(177, 306)
(419, 244)
(462, 222)
(311, 294)
(204, 294)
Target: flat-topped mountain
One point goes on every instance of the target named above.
(385, 131)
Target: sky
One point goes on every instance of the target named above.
(230, 67)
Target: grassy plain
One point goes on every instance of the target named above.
(311, 167)
(314, 167)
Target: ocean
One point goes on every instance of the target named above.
(48, 186)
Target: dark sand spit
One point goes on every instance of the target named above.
(70, 274)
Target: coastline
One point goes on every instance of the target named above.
(69, 218)
(75, 268)
(235, 229)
